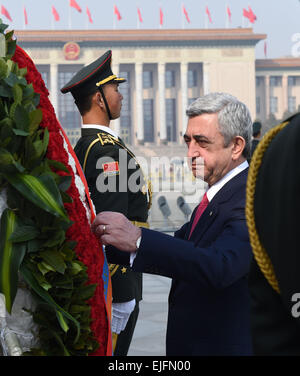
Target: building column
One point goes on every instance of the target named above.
(184, 98)
(116, 123)
(285, 93)
(54, 86)
(139, 102)
(267, 93)
(206, 83)
(162, 103)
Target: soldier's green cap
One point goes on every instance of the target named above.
(96, 74)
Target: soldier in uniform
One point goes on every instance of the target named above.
(272, 212)
(114, 177)
(256, 133)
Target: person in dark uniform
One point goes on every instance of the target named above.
(256, 133)
(115, 180)
(272, 212)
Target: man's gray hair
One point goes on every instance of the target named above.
(233, 116)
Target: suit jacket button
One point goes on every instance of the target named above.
(211, 213)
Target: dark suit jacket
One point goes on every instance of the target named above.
(209, 299)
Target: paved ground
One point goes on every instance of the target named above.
(150, 331)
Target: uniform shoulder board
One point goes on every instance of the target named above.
(106, 138)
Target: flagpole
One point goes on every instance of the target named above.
(24, 24)
(227, 16)
(137, 17)
(70, 21)
(160, 10)
(182, 17)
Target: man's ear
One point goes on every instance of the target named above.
(238, 147)
(98, 100)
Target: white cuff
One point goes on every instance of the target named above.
(132, 257)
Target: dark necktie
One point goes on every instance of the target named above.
(202, 206)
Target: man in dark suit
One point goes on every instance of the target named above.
(110, 168)
(209, 258)
(273, 205)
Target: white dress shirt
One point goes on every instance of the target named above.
(101, 128)
(211, 191)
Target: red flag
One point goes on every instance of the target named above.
(55, 14)
(186, 14)
(25, 16)
(5, 13)
(252, 15)
(117, 13)
(265, 49)
(89, 15)
(161, 17)
(249, 14)
(140, 15)
(229, 14)
(74, 4)
(208, 13)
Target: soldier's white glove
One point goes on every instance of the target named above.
(120, 315)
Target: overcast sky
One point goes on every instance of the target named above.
(276, 18)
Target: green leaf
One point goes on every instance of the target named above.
(11, 80)
(75, 308)
(41, 191)
(38, 148)
(63, 282)
(3, 69)
(76, 268)
(44, 268)
(5, 157)
(34, 245)
(24, 233)
(8, 163)
(64, 182)
(7, 122)
(21, 118)
(9, 35)
(5, 91)
(11, 257)
(58, 165)
(20, 132)
(17, 93)
(35, 118)
(46, 140)
(66, 198)
(23, 71)
(62, 321)
(31, 281)
(85, 292)
(56, 239)
(36, 99)
(3, 27)
(55, 260)
(11, 48)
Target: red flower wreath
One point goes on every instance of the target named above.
(88, 249)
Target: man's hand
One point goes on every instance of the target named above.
(116, 230)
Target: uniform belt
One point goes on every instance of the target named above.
(140, 224)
